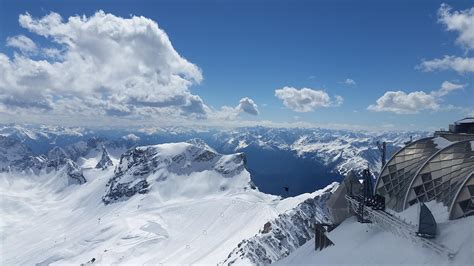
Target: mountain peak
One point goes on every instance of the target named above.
(105, 160)
(74, 172)
(178, 165)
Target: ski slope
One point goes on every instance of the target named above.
(45, 220)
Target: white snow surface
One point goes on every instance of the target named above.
(180, 221)
(92, 157)
(367, 244)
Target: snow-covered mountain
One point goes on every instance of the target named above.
(11, 150)
(142, 167)
(187, 202)
(298, 158)
(42, 138)
(281, 236)
(301, 160)
(105, 160)
(196, 207)
(368, 244)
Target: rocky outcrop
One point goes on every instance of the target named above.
(32, 164)
(200, 143)
(74, 173)
(57, 157)
(21, 159)
(105, 160)
(11, 150)
(130, 176)
(281, 236)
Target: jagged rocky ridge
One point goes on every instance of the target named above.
(346, 149)
(74, 173)
(278, 157)
(279, 237)
(11, 151)
(105, 160)
(30, 163)
(139, 166)
(18, 158)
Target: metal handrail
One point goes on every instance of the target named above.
(398, 227)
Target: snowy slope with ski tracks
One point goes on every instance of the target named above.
(194, 216)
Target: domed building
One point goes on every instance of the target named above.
(437, 168)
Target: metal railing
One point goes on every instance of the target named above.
(397, 226)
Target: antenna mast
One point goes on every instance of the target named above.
(383, 150)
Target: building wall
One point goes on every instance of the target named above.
(463, 204)
(400, 170)
(442, 175)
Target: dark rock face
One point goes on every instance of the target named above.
(32, 163)
(281, 236)
(12, 151)
(74, 173)
(125, 191)
(105, 160)
(134, 162)
(20, 159)
(130, 176)
(57, 157)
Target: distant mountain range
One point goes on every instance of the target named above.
(174, 203)
(174, 195)
(281, 161)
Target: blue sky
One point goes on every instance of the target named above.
(252, 48)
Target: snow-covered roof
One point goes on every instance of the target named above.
(466, 120)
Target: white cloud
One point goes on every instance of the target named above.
(247, 105)
(350, 82)
(52, 53)
(400, 102)
(338, 100)
(23, 43)
(227, 113)
(447, 87)
(458, 64)
(104, 65)
(461, 22)
(306, 99)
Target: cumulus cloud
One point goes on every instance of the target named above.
(400, 102)
(306, 99)
(350, 82)
(458, 64)
(461, 22)
(247, 105)
(102, 65)
(228, 113)
(23, 43)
